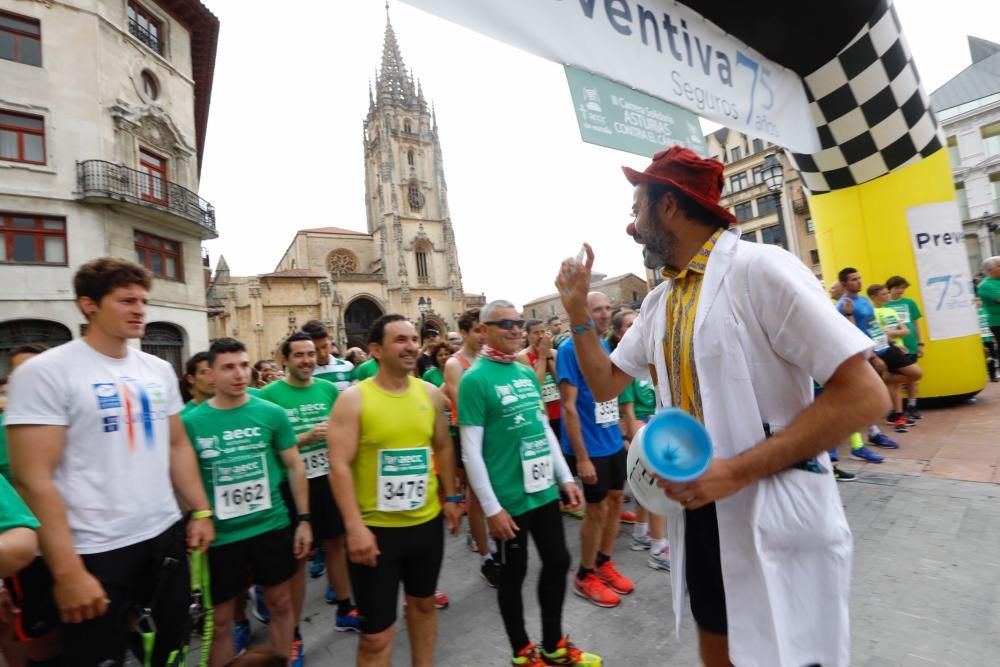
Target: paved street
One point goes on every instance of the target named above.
(926, 570)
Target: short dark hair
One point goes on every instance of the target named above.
(286, 345)
(316, 330)
(98, 277)
(692, 209)
(352, 355)
(874, 289)
(896, 281)
(554, 317)
(468, 319)
(191, 368)
(259, 364)
(377, 333)
(191, 365)
(3, 379)
(28, 348)
(531, 323)
(845, 274)
(222, 346)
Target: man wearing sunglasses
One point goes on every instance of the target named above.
(592, 443)
(513, 462)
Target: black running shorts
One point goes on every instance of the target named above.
(266, 559)
(611, 473)
(895, 358)
(411, 556)
(703, 569)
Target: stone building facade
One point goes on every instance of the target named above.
(405, 261)
(781, 217)
(103, 115)
(627, 290)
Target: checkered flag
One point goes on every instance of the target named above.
(871, 113)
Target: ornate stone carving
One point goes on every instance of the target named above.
(342, 260)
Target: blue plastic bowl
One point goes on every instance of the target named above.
(677, 446)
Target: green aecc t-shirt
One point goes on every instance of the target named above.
(506, 401)
(306, 407)
(237, 453)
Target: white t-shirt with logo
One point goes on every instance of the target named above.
(337, 371)
(114, 475)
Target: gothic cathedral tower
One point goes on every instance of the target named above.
(406, 198)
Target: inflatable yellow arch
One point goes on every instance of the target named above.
(835, 80)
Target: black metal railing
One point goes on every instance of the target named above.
(106, 179)
(145, 36)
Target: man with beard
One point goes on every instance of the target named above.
(734, 336)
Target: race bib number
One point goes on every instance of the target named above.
(241, 488)
(879, 337)
(403, 478)
(550, 392)
(536, 465)
(903, 314)
(606, 412)
(317, 462)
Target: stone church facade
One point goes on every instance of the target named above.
(405, 262)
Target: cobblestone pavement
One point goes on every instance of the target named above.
(926, 584)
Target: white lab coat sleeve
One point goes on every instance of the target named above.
(803, 327)
(475, 469)
(563, 474)
(630, 355)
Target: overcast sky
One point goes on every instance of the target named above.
(284, 144)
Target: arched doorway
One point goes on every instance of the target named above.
(358, 319)
(165, 341)
(19, 332)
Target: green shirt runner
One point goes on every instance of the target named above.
(365, 370)
(338, 371)
(640, 393)
(13, 512)
(306, 407)
(989, 292)
(237, 452)
(434, 376)
(908, 312)
(506, 400)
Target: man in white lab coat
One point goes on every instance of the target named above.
(734, 336)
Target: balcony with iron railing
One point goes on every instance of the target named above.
(144, 35)
(104, 182)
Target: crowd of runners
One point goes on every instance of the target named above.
(139, 512)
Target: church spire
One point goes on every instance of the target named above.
(394, 86)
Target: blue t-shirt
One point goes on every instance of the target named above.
(864, 311)
(598, 421)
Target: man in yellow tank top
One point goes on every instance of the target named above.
(388, 437)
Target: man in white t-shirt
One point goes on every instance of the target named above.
(98, 451)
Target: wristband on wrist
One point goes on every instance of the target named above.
(583, 328)
(453, 499)
(305, 516)
(201, 514)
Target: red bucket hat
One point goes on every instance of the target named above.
(698, 178)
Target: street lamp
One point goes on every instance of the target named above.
(423, 305)
(773, 175)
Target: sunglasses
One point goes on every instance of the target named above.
(506, 324)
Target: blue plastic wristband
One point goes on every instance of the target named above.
(582, 328)
(453, 499)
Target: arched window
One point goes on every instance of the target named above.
(166, 342)
(407, 127)
(423, 264)
(409, 158)
(18, 332)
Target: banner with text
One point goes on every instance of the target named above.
(616, 116)
(943, 267)
(657, 46)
